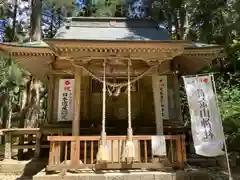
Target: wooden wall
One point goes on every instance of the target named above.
(142, 102)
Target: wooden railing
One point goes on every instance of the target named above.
(80, 152)
(26, 139)
(20, 139)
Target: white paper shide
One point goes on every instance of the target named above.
(206, 125)
(65, 100)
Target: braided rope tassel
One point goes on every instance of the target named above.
(129, 152)
(103, 153)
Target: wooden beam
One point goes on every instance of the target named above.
(110, 166)
(77, 102)
(133, 55)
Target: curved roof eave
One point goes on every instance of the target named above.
(34, 57)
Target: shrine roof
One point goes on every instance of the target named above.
(38, 47)
(110, 29)
(83, 37)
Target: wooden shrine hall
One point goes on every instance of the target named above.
(112, 81)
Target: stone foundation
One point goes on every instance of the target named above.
(30, 168)
(13, 166)
(179, 175)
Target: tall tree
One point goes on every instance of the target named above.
(29, 104)
(35, 33)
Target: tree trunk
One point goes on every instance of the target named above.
(35, 33)
(25, 98)
(14, 20)
(9, 119)
(34, 84)
(176, 23)
(183, 18)
(170, 23)
(34, 104)
(30, 96)
(29, 107)
(3, 100)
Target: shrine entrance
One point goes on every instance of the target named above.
(95, 54)
(117, 105)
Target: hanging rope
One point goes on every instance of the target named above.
(129, 152)
(120, 84)
(103, 153)
(129, 105)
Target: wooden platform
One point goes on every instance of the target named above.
(129, 175)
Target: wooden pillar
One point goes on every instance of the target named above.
(50, 98)
(38, 144)
(86, 97)
(177, 99)
(157, 104)
(158, 116)
(77, 102)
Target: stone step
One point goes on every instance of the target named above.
(203, 162)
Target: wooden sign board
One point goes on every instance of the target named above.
(159, 146)
(65, 99)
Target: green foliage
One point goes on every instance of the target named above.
(11, 80)
(229, 90)
(106, 9)
(10, 74)
(229, 101)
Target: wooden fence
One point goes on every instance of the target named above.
(27, 139)
(80, 152)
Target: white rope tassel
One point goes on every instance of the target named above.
(103, 153)
(129, 152)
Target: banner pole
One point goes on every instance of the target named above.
(225, 144)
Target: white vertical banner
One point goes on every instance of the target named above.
(206, 125)
(65, 99)
(162, 85)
